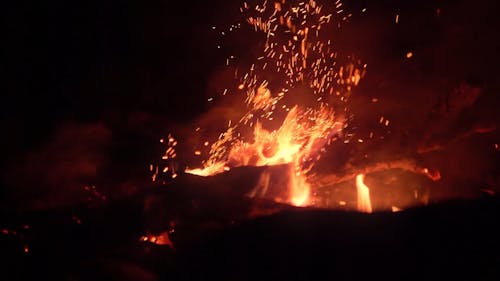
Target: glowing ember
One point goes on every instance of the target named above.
(161, 239)
(364, 202)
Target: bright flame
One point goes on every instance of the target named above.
(294, 55)
(364, 203)
(301, 135)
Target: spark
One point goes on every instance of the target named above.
(295, 51)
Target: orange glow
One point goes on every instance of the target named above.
(395, 209)
(364, 202)
(161, 239)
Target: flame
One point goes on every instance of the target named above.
(295, 142)
(296, 59)
(295, 56)
(364, 202)
(210, 170)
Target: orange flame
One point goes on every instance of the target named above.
(364, 202)
(301, 135)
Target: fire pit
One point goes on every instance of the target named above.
(332, 140)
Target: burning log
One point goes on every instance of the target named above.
(351, 173)
(196, 204)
